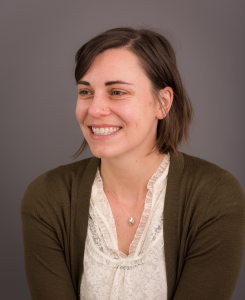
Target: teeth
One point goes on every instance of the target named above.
(104, 131)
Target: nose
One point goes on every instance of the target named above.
(99, 106)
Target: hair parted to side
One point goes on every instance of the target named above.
(157, 57)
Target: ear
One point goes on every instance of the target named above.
(166, 97)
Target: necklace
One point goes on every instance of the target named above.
(131, 219)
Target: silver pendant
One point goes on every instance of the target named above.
(131, 221)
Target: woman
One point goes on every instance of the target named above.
(140, 220)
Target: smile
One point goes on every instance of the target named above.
(105, 131)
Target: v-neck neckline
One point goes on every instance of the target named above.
(153, 186)
(171, 218)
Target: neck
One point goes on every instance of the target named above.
(128, 177)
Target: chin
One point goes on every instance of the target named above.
(103, 152)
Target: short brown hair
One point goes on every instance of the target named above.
(157, 58)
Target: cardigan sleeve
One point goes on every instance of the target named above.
(45, 263)
(214, 255)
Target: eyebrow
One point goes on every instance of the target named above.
(106, 83)
(83, 82)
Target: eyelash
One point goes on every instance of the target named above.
(85, 94)
(81, 92)
(121, 93)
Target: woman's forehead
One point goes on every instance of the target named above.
(118, 64)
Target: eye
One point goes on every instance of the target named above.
(83, 92)
(117, 93)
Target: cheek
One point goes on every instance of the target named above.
(80, 113)
(125, 112)
(131, 117)
(135, 115)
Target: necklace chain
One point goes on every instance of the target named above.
(131, 219)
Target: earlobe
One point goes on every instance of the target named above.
(166, 96)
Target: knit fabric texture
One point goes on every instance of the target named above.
(204, 229)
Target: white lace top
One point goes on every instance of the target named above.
(108, 272)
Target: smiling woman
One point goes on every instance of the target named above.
(139, 220)
(125, 104)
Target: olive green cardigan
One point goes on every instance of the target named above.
(204, 228)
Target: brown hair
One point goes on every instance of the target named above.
(157, 58)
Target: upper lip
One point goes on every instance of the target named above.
(103, 125)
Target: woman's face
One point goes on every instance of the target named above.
(116, 109)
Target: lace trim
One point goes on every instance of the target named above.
(163, 166)
(156, 226)
(97, 238)
(157, 177)
(151, 236)
(124, 263)
(107, 223)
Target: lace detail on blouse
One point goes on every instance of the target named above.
(110, 273)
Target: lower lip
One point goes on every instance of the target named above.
(102, 137)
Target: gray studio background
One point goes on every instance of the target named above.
(38, 94)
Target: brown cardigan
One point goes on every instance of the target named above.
(204, 228)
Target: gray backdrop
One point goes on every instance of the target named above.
(38, 94)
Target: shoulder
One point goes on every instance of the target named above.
(197, 165)
(56, 185)
(61, 175)
(209, 186)
(197, 170)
